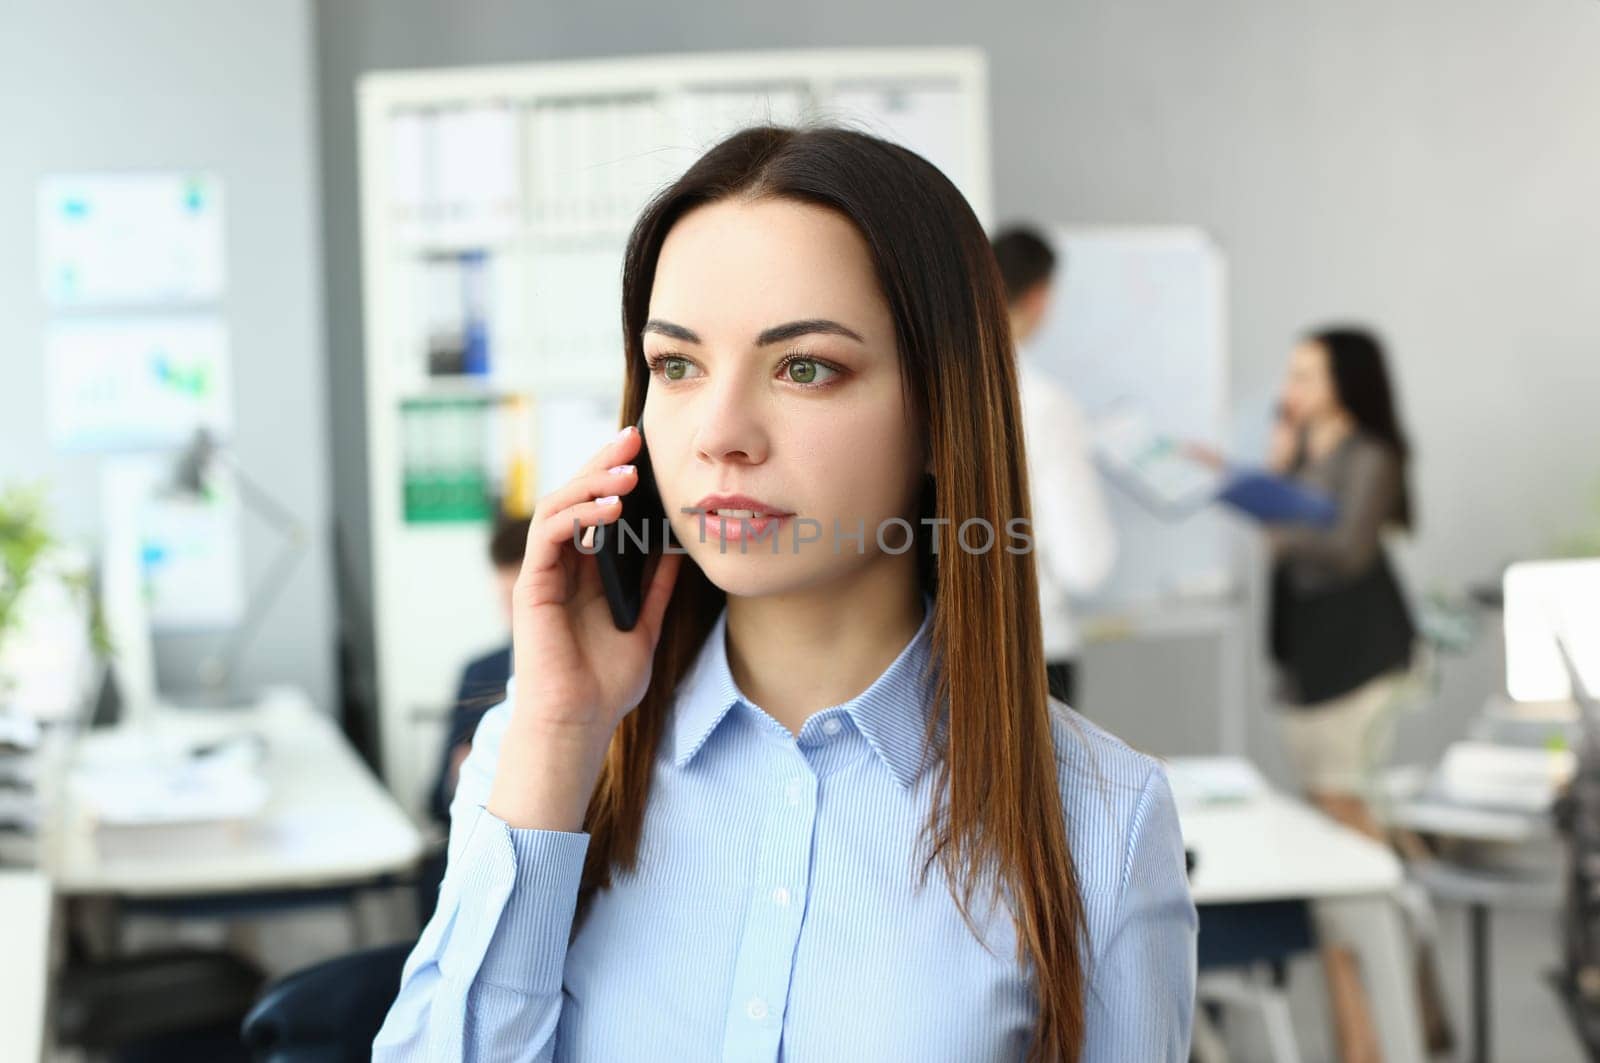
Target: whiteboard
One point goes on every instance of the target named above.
(1137, 322)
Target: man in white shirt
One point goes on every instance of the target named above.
(1075, 544)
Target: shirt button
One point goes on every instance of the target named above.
(794, 791)
(831, 726)
(780, 896)
(756, 1009)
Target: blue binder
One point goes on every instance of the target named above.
(1277, 500)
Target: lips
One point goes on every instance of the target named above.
(736, 507)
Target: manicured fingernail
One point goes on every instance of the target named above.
(607, 500)
(624, 433)
(618, 470)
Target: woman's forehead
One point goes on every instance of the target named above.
(732, 269)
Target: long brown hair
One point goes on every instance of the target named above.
(997, 812)
(1360, 373)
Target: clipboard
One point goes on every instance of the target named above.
(1152, 467)
(1156, 471)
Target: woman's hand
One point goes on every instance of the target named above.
(1284, 443)
(1204, 454)
(577, 675)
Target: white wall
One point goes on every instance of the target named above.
(184, 84)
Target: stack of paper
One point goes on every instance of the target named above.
(1489, 775)
(19, 798)
(1213, 780)
(149, 798)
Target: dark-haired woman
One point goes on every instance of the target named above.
(1341, 632)
(817, 804)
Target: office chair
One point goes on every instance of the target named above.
(1242, 956)
(328, 1013)
(176, 1005)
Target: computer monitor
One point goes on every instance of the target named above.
(1583, 691)
(125, 482)
(1543, 599)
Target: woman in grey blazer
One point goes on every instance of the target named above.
(1341, 632)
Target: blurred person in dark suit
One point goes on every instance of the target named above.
(483, 681)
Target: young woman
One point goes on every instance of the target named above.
(1341, 632)
(817, 805)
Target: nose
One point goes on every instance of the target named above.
(730, 427)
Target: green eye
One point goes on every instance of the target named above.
(674, 368)
(803, 371)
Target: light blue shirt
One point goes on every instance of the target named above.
(775, 911)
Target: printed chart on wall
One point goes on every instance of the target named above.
(132, 272)
(130, 240)
(125, 383)
(1136, 331)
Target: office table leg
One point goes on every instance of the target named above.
(1206, 1045)
(359, 938)
(1478, 950)
(1372, 928)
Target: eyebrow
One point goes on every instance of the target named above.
(776, 334)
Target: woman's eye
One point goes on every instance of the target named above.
(806, 370)
(674, 368)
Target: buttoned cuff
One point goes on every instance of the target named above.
(518, 892)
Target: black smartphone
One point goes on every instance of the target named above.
(627, 543)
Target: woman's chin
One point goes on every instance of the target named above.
(757, 575)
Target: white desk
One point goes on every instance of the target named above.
(25, 911)
(328, 821)
(1272, 847)
(1488, 825)
(1509, 859)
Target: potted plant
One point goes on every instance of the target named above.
(51, 629)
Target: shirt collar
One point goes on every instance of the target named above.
(891, 714)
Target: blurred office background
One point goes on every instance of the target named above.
(1430, 168)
